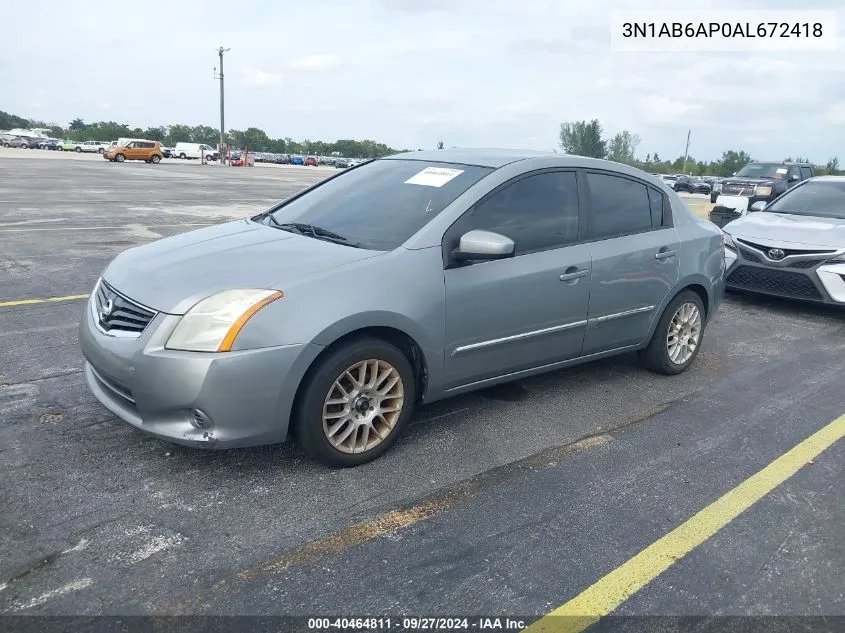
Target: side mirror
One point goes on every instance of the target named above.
(794, 177)
(480, 245)
(758, 206)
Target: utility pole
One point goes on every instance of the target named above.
(686, 151)
(219, 76)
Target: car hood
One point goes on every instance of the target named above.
(170, 275)
(783, 227)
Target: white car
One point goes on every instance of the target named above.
(92, 147)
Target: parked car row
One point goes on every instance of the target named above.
(307, 161)
(689, 184)
(24, 141)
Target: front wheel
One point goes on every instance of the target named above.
(677, 338)
(182, 156)
(156, 159)
(78, 149)
(120, 158)
(355, 403)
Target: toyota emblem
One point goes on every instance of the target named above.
(105, 311)
(776, 254)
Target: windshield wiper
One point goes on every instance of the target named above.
(312, 231)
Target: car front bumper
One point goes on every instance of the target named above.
(206, 400)
(820, 283)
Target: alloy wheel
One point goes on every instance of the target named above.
(363, 406)
(684, 333)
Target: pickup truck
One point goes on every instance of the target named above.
(756, 182)
(91, 147)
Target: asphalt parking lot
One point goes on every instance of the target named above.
(509, 501)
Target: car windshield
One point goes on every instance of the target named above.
(763, 170)
(381, 204)
(816, 197)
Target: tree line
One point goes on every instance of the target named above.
(579, 137)
(253, 138)
(587, 139)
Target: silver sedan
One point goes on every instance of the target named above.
(406, 279)
(795, 246)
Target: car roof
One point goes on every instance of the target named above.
(496, 158)
(480, 157)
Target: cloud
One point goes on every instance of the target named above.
(410, 72)
(317, 63)
(258, 78)
(665, 109)
(835, 115)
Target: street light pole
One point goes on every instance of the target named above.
(220, 52)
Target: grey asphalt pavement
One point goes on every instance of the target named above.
(484, 506)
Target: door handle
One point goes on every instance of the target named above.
(575, 275)
(664, 254)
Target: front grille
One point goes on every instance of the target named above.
(738, 190)
(774, 281)
(751, 256)
(807, 263)
(117, 314)
(788, 251)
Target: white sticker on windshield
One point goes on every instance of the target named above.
(434, 176)
(780, 170)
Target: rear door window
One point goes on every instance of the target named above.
(618, 205)
(806, 172)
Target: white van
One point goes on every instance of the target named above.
(194, 150)
(123, 142)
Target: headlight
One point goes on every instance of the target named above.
(728, 241)
(762, 191)
(213, 324)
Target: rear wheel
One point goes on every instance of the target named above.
(677, 338)
(355, 403)
(120, 158)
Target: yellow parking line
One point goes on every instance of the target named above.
(623, 582)
(101, 228)
(26, 302)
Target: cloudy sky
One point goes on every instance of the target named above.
(491, 73)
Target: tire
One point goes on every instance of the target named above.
(713, 197)
(120, 158)
(101, 150)
(156, 159)
(78, 149)
(686, 306)
(312, 432)
(182, 156)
